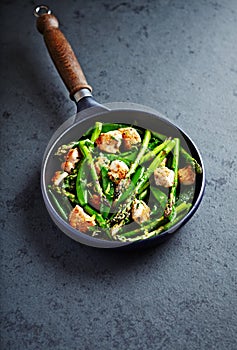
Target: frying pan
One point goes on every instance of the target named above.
(88, 112)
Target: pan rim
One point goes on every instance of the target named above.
(86, 239)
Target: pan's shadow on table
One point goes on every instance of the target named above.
(55, 248)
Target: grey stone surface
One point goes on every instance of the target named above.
(179, 57)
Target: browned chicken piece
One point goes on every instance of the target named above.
(187, 175)
(140, 211)
(117, 171)
(79, 220)
(130, 137)
(58, 177)
(71, 159)
(164, 176)
(109, 141)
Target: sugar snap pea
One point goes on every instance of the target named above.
(81, 183)
(160, 196)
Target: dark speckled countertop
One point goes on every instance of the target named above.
(180, 58)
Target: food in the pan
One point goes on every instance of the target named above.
(122, 182)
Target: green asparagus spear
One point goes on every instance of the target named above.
(98, 217)
(59, 207)
(185, 154)
(96, 132)
(87, 154)
(160, 136)
(170, 209)
(191, 160)
(109, 127)
(145, 228)
(143, 195)
(128, 157)
(127, 192)
(169, 224)
(154, 152)
(108, 190)
(143, 187)
(156, 162)
(155, 225)
(140, 154)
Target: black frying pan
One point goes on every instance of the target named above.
(90, 111)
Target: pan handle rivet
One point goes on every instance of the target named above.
(41, 10)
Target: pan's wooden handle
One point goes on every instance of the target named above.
(62, 54)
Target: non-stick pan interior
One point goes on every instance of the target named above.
(140, 119)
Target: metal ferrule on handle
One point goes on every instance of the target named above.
(81, 94)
